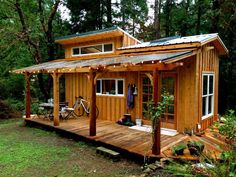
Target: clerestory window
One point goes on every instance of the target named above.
(92, 49)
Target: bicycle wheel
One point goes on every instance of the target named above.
(97, 112)
(80, 111)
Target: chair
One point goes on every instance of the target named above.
(70, 111)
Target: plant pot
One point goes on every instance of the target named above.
(195, 148)
(178, 149)
(179, 152)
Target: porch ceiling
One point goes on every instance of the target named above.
(68, 66)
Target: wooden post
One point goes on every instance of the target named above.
(55, 98)
(156, 148)
(27, 95)
(92, 114)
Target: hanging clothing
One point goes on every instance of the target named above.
(130, 97)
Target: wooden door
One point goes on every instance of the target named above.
(146, 97)
(168, 84)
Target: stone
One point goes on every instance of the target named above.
(165, 161)
(152, 166)
(147, 170)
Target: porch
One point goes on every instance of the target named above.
(133, 143)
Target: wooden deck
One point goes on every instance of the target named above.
(125, 140)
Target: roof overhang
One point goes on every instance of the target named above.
(91, 36)
(162, 61)
(179, 43)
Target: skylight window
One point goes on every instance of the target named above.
(93, 49)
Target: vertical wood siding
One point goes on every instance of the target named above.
(209, 63)
(186, 105)
(111, 108)
(189, 104)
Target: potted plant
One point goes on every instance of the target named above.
(195, 147)
(179, 149)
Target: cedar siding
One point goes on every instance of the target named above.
(186, 59)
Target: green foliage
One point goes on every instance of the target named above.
(176, 150)
(209, 167)
(179, 169)
(195, 143)
(156, 110)
(128, 13)
(228, 128)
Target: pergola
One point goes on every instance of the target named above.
(94, 68)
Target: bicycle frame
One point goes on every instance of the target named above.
(84, 107)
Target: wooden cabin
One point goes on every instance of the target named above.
(102, 65)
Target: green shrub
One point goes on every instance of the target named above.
(178, 149)
(228, 128)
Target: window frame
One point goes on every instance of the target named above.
(208, 95)
(116, 87)
(103, 52)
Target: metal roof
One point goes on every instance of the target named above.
(175, 40)
(114, 28)
(68, 64)
(87, 33)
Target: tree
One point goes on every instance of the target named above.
(157, 18)
(226, 26)
(129, 9)
(89, 15)
(32, 31)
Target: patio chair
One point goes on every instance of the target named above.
(69, 112)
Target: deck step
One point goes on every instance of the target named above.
(115, 156)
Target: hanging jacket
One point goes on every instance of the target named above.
(130, 97)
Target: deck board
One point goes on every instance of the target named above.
(129, 140)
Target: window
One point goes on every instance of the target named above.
(110, 87)
(93, 49)
(146, 95)
(207, 95)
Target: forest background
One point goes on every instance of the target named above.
(28, 29)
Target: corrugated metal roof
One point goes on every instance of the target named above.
(50, 66)
(114, 28)
(174, 40)
(87, 33)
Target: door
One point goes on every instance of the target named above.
(146, 97)
(168, 84)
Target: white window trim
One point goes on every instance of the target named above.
(116, 87)
(207, 95)
(103, 52)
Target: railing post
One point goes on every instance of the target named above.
(92, 114)
(56, 77)
(27, 95)
(156, 148)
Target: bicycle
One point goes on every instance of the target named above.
(84, 107)
(80, 107)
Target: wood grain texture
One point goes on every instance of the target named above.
(123, 139)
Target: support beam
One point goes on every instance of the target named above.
(92, 114)
(56, 77)
(156, 147)
(27, 95)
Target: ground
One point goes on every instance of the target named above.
(26, 151)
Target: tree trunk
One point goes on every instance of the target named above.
(157, 26)
(168, 17)
(109, 15)
(45, 86)
(215, 18)
(199, 15)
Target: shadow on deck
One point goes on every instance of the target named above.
(132, 143)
